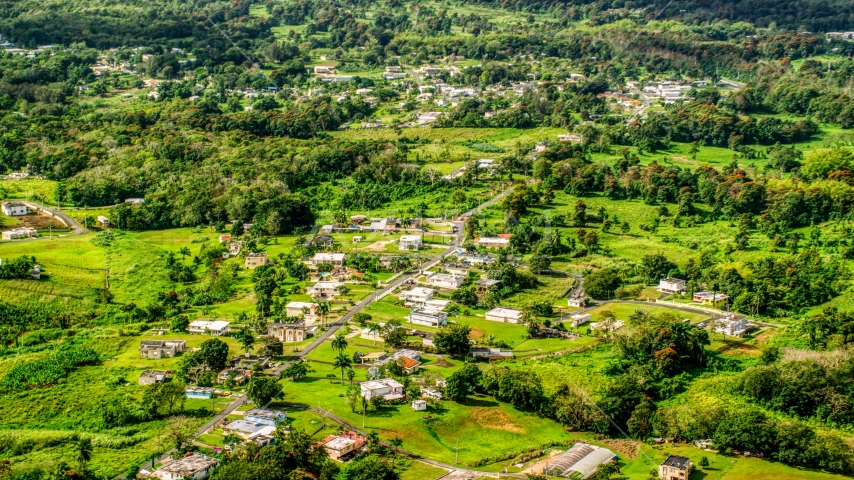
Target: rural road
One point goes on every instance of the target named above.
(76, 228)
(333, 327)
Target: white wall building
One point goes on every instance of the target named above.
(205, 327)
(387, 388)
(409, 242)
(506, 315)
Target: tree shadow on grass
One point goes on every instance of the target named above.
(481, 402)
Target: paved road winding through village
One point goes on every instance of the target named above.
(333, 327)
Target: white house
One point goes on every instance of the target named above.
(730, 324)
(428, 117)
(409, 242)
(671, 285)
(492, 242)
(265, 416)
(325, 289)
(506, 315)
(419, 405)
(444, 280)
(191, 467)
(428, 318)
(323, 69)
(14, 209)
(307, 310)
(577, 301)
(417, 295)
(206, 327)
(580, 319)
(20, 232)
(387, 388)
(336, 259)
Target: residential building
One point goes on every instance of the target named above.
(334, 259)
(306, 310)
(671, 285)
(323, 240)
(409, 360)
(493, 242)
(205, 327)
(237, 376)
(490, 353)
(607, 326)
(339, 446)
(224, 238)
(460, 269)
(249, 430)
(675, 467)
(357, 219)
(409, 242)
(255, 260)
(577, 301)
(372, 357)
(416, 296)
(436, 305)
(387, 388)
(192, 467)
(570, 137)
(320, 69)
(324, 289)
(18, 233)
(393, 69)
(580, 462)
(731, 324)
(150, 377)
(506, 315)
(428, 318)
(199, 392)
(247, 361)
(710, 298)
(290, 332)
(431, 393)
(157, 349)
(134, 201)
(580, 319)
(419, 405)
(445, 280)
(13, 209)
(428, 117)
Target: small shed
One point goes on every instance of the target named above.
(419, 405)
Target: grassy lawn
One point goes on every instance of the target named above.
(422, 471)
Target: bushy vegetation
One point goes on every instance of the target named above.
(46, 371)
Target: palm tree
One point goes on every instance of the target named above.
(246, 338)
(342, 362)
(323, 310)
(339, 343)
(396, 443)
(84, 452)
(373, 329)
(184, 252)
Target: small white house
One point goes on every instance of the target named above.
(307, 310)
(577, 301)
(428, 318)
(195, 467)
(730, 324)
(580, 319)
(325, 289)
(671, 285)
(444, 280)
(492, 242)
(505, 315)
(335, 259)
(13, 209)
(204, 327)
(419, 405)
(387, 388)
(409, 242)
(417, 295)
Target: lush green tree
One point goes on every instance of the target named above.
(453, 339)
(602, 284)
(214, 353)
(180, 323)
(463, 382)
(262, 389)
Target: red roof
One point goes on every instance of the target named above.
(505, 235)
(407, 362)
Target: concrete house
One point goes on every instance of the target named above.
(199, 392)
(386, 388)
(320, 69)
(255, 260)
(306, 310)
(671, 285)
(428, 318)
(492, 242)
(490, 353)
(417, 295)
(157, 349)
(710, 298)
(325, 289)
(577, 301)
(249, 430)
(339, 446)
(675, 467)
(265, 416)
(290, 332)
(506, 315)
(445, 280)
(335, 259)
(409, 242)
(419, 405)
(731, 324)
(150, 377)
(580, 319)
(192, 467)
(204, 327)
(13, 209)
(20, 232)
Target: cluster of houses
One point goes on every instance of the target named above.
(16, 209)
(726, 323)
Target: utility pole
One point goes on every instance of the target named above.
(457, 453)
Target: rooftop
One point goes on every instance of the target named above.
(188, 465)
(677, 461)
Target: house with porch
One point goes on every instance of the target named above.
(671, 285)
(306, 310)
(386, 388)
(324, 289)
(505, 315)
(416, 296)
(157, 349)
(334, 259)
(206, 327)
(409, 242)
(428, 317)
(445, 280)
(290, 332)
(192, 467)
